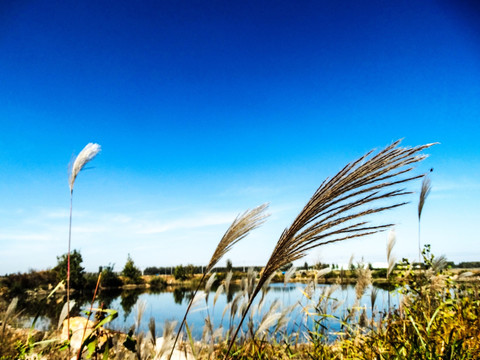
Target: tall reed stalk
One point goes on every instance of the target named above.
(337, 210)
(392, 239)
(239, 229)
(424, 192)
(87, 154)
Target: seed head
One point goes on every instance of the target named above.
(87, 154)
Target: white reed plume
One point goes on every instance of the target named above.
(288, 275)
(86, 155)
(392, 239)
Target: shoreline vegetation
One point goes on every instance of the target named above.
(439, 312)
(437, 315)
(28, 282)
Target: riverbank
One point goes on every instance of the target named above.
(437, 307)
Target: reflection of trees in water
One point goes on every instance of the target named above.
(129, 299)
(387, 286)
(49, 309)
(231, 291)
(282, 289)
(182, 293)
(107, 296)
(178, 295)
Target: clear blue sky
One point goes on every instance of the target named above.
(204, 109)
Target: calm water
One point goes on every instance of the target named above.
(171, 306)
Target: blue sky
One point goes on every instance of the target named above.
(206, 109)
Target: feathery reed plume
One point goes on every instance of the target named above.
(439, 264)
(139, 311)
(364, 279)
(336, 210)
(392, 239)
(424, 192)
(87, 154)
(373, 299)
(288, 275)
(152, 327)
(63, 313)
(167, 338)
(10, 309)
(239, 229)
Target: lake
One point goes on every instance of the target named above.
(171, 305)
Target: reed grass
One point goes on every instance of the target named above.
(86, 155)
(239, 229)
(424, 192)
(437, 317)
(337, 209)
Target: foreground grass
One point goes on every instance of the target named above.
(438, 318)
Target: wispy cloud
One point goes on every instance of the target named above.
(24, 237)
(194, 221)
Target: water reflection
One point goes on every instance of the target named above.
(108, 296)
(128, 300)
(170, 304)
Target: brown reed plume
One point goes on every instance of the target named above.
(239, 229)
(87, 154)
(337, 209)
(424, 192)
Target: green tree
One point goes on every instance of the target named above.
(180, 273)
(77, 272)
(132, 273)
(110, 278)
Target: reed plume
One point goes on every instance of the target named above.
(337, 209)
(87, 154)
(424, 192)
(239, 229)
(10, 310)
(392, 239)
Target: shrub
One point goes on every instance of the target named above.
(17, 284)
(110, 279)
(380, 273)
(180, 273)
(158, 282)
